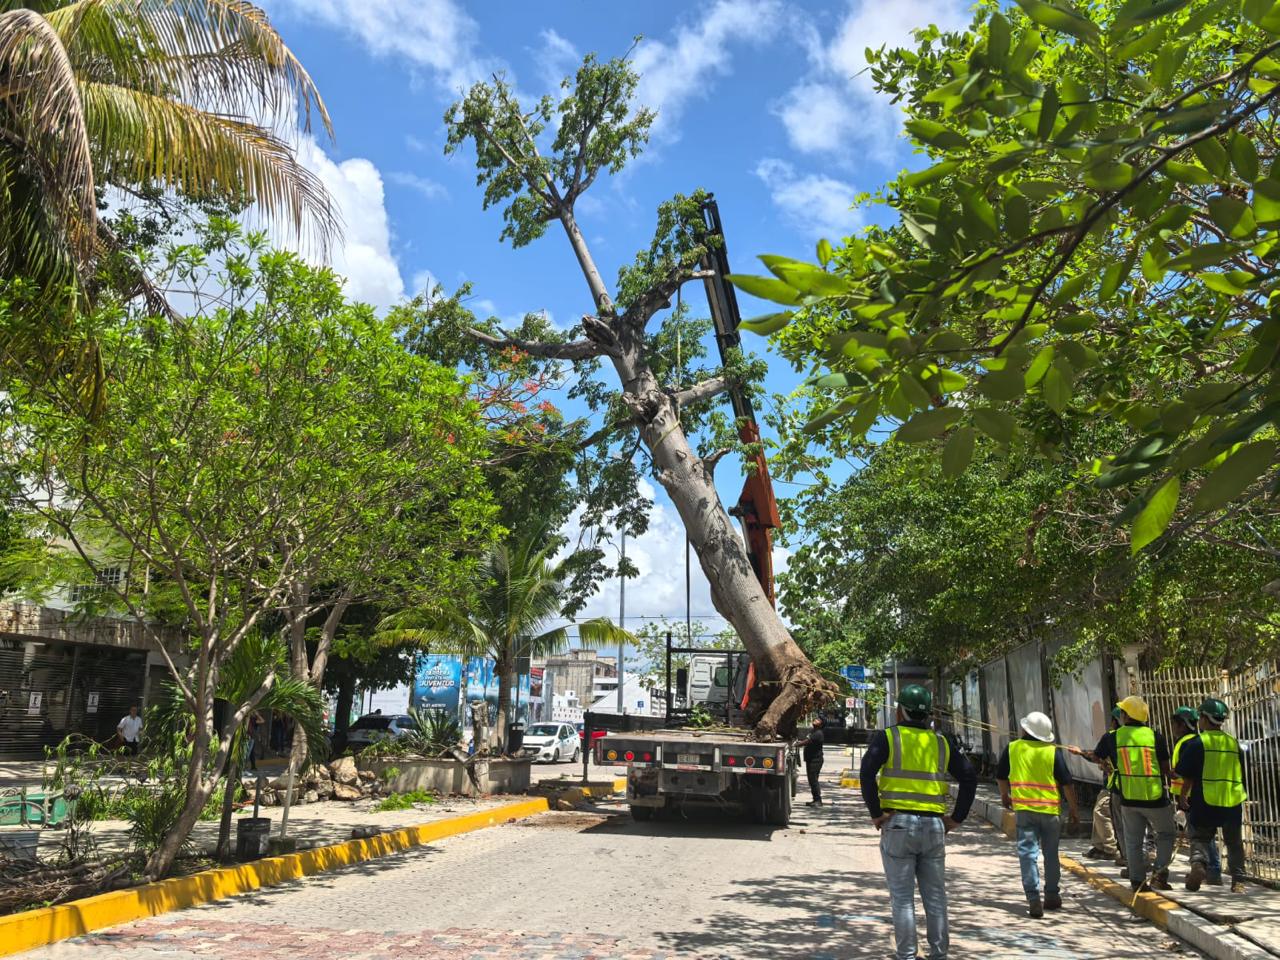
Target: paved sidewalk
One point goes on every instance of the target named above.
(594, 884)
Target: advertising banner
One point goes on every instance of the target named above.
(437, 685)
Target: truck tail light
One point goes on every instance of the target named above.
(731, 761)
(646, 757)
(750, 761)
(611, 755)
(628, 756)
(768, 763)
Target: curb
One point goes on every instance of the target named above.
(39, 928)
(1213, 939)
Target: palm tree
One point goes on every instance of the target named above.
(175, 95)
(517, 590)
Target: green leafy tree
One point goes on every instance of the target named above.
(1093, 238)
(535, 162)
(517, 591)
(240, 458)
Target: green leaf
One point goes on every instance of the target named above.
(811, 280)
(1057, 388)
(1140, 11)
(1210, 152)
(1205, 255)
(928, 424)
(831, 415)
(767, 324)
(863, 420)
(1187, 173)
(924, 177)
(1064, 19)
(1234, 475)
(1155, 516)
(1112, 175)
(1266, 202)
(1075, 323)
(1222, 283)
(914, 391)
(1233, 216)
(1244, 156)
(824, 251)
(998, 35)
(1048, 112)
(936, 134)
(1039, 366)
(996, 424)
(958, 453)
(766, 288)
(1070, 289)
(836, 380)
(1004, 384)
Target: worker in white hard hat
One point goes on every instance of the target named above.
(1034, 779)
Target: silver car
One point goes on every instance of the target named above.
(552, 742)
(376, 726)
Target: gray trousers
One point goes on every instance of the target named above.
(1136, 821)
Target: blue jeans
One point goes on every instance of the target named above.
(1036, 832)
(914, 851)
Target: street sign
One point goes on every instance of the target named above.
(854, 673)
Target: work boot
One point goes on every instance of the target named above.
(1214, 879)
(1093, 853)
(1195, 876)
(1053, 901)
(1237, 885)
(1124, 873)
(1035, 908)
(1160, 881)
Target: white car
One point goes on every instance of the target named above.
(376, 726)
(552, 742)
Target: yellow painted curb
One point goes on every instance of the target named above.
(1150, 905)
(38, 928)
(591, 792)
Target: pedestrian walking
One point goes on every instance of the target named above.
(1034, 778)
(130, 730)
(813, 744)
(904, 784)
(1186, 726)
(253, 734)
(1211, 766)
(1140, 756)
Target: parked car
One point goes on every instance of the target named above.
(595, 734)
(377, 726)
(552, 742)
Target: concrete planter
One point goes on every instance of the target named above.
(450, 776)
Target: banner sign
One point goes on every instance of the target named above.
(437, 685)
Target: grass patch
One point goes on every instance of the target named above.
(406, 801)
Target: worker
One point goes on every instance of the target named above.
(1140, 756)
(1107, 835)
(813, 760)
(1211, 766)
(1033, 777)
(904, 783)
(1186, 726)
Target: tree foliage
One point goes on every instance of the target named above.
(1094, 237)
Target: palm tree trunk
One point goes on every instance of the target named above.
(505, 668)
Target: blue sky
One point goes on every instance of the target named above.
(759, 101)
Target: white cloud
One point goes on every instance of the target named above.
(424, 281)
(438, 36)
(557, 58)
(673, 73)
(836, 106)
(364, 255)
(817, 205)
(428, 188)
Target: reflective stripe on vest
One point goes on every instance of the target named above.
(1222, 780)
(1140, 777)
(1175, 785)
(1032, 785)
(915, 775)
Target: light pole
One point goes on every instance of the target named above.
(622, 614)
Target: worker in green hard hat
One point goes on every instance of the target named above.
(1186, 726)
(1211, 766)
(904, 783)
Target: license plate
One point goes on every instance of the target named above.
(688, 758)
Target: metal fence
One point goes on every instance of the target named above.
(1253, 696)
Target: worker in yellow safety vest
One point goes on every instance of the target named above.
(1186, 726)
(1033, 776)
(1211, 766)
(1140, 756)
(904, 784)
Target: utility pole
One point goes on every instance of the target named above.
(622, 614)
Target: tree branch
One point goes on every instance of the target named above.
(658, 297)
(704, 390)
(575, 350)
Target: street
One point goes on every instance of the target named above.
(592, 884)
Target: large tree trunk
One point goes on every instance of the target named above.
(229, 791)
(506, 670)
(788, 685)
(342, 706)
(198, 790)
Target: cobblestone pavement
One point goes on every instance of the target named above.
(593, 885)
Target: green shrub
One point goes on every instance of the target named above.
(405, 801)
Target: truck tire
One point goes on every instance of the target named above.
(778, 802)
(642, 814)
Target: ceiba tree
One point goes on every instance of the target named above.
(592, 128)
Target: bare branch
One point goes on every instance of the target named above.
(658, 297)
(711, 461)
(704, 390)
(575, 350)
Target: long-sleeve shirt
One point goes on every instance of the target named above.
(958, 766)
(813, 747)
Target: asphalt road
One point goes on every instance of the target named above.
(593, 884)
